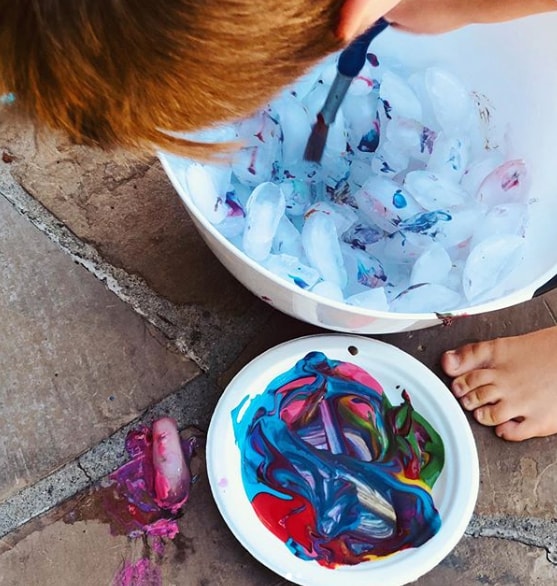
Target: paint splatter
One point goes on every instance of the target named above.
(334, 470)
(140, 573)
(144, 497)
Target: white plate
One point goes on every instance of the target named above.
(454, 493)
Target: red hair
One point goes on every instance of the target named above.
(127, 72)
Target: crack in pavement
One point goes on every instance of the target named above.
(224, 336)
(532, 531)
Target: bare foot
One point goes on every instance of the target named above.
(509, 383)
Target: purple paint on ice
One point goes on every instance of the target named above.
(133, 504)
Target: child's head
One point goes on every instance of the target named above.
(122, 72)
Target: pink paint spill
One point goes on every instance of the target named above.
(146, 493)
(141, 573)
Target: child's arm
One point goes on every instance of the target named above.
(436, 16)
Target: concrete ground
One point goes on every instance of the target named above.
(113, 312)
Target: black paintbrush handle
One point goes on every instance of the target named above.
(353, 58)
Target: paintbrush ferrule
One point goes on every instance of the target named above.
(335, 97)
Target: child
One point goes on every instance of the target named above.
(129, 72)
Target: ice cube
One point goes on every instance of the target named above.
(433, 192)
(488, 264)
(503, 219)
(389, 160)
(329, 290)
(384, 203)
(374, 299)
(265, 208)
(399, 97)
(295, 126)
(343, 217)
(451, 101)
(297, 195)
(287, 239)
(508, 183)
(426, 298)
(203, 192)
(449, 157)
(432, 266)
(322, 248)
(291, 269)
(479, 169)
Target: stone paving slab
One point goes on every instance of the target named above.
(76, 362)
(129, 211)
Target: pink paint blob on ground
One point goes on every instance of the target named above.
(133, 505)
(141, 573)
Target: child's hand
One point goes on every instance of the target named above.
(437, 16)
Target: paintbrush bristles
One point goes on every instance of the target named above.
(316, 142)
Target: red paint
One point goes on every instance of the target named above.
(287, 519)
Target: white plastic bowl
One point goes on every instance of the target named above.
(513, 66)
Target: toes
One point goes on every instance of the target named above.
(492, 415)
(470, 381)
(486, 395)
(515, 431)
(466, 358)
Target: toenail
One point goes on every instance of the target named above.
(465, 402)
(453, 358)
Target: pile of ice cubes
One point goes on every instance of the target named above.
(416, 206)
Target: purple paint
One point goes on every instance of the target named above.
(132, 504)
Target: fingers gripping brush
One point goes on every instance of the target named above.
(350, 63)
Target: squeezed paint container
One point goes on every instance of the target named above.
(454, 492)
(505, 65)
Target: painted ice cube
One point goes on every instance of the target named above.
(365, 82)
(297, 196)
(489, 263)
(398, 96)
(361, 235)
(295, 128)
(264, 210)
(343, 217)
(360, 116)
(291, 269)
(389, 160)
(384, 203)
(322, 248)
(510, 182)
(449, 157)
(363, 268)
(203, 192)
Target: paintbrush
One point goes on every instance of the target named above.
(350, 63)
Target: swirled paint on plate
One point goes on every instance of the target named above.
(333, 469)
